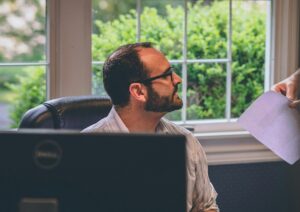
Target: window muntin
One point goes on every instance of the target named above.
(206, 54)
(22, 58)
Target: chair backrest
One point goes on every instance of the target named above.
(72, 112)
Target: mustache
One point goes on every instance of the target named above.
(175, 89)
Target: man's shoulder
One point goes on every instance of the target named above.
(174, 128)
(193, 145)
(100, 126)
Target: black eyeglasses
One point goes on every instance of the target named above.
(168, 72)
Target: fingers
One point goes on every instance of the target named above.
(291, 91)
(295, 103)
(289, 87)
(280, 88)
(276, 88)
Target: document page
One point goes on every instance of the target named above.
(272, 122)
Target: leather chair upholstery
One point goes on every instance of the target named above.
(72, 112)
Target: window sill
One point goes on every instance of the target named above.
(234, 147)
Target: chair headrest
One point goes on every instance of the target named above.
(72, 112)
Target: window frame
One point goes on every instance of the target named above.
(225, 142)
(69, 48)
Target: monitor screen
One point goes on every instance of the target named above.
(70, 171)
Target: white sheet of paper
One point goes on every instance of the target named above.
(272, 122)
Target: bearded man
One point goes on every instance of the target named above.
(143, 88)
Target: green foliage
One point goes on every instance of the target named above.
(207, 39)
(30, 92)
(9, 76)
(248, 58)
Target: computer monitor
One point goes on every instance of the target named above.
(72, 172)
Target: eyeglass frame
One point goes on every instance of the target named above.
(168, 72)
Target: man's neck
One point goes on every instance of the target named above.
(139, 120)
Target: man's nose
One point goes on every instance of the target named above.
(176, 79)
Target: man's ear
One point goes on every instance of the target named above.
(138, 91)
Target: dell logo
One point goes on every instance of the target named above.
(47, 154)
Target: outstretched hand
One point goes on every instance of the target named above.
(289, 88)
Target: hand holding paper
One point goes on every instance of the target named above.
(271, 121)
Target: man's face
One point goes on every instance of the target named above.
(162, 91)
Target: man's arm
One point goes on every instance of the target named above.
(213, 207)
(289, 87)
(203, 186)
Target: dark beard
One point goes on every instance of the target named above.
(157, 103)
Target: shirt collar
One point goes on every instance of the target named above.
(118, 121)
(160, 128)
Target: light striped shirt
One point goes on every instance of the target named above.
(201, 195)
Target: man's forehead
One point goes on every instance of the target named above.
(153, 59)
(150, 54)
(148, 51)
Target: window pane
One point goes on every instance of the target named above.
(21, 88)
(22, 40)
(162, 24)
(22, 31)
(114, 24)
(248, 53)
(206, 91)
(207, 29)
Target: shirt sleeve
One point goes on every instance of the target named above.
(204, 195)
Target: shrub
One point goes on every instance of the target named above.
(30, 92)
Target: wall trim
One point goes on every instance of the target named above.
(234, 148)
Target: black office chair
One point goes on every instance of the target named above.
(72, 112)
